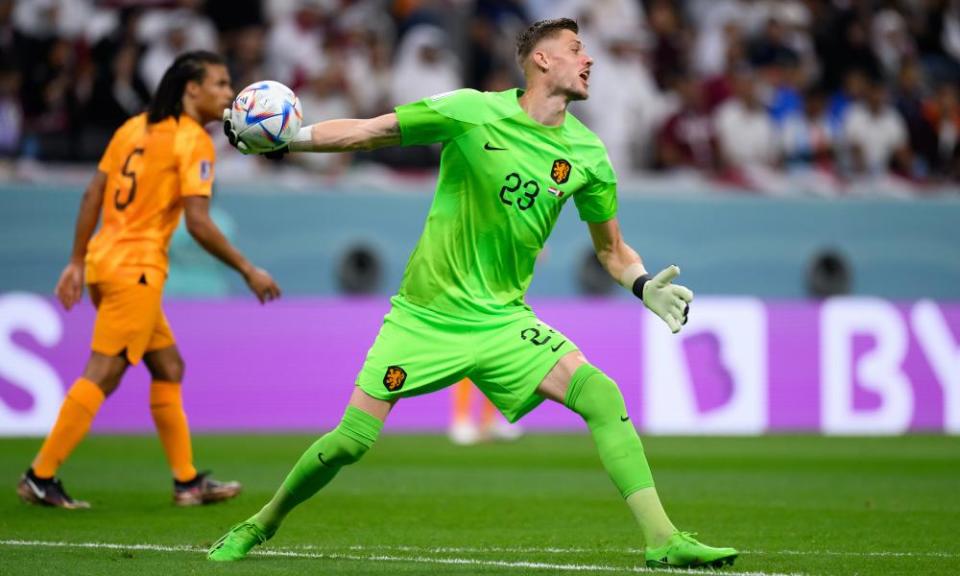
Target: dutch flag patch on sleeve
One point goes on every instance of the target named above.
(206, 170)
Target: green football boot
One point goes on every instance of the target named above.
(237, 543)
(682, 550)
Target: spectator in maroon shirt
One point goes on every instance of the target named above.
(943, 115)
(687, 139)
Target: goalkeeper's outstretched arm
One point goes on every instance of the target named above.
(348, 135)
(671, 302)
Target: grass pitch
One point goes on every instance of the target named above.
(542, 505)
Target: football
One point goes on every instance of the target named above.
(266, 116)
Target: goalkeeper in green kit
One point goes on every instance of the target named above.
(510, 162)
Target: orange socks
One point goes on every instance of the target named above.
(461, 401)
(81, 406)
(166, 405)
(76, 414)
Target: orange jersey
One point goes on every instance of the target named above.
(149, 168)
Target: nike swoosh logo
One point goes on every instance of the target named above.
(320, 457)
(624, 418)
(487, 146)
(36, 489)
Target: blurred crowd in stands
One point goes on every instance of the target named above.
(819, 96)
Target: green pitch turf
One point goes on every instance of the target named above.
(417, 505)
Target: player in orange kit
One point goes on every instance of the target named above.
(157, 165)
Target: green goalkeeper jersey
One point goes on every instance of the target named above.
(504, 178)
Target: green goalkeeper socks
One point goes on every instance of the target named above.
(343, 445)
(597, 399)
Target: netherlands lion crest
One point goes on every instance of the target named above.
(394, 378)
(560, 171)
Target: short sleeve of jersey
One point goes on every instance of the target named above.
(597, 202)
(196, 166)
(438, 118)
(109, 162)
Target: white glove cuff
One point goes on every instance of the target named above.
(303, 141)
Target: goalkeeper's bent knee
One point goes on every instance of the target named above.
(343, 445)
(597, 399)
(350, 440)
(594, 396)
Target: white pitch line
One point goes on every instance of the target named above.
(879, 554)
(279, 552)
(509, 564)
(552, 550)
(103, 545)
(469, 550)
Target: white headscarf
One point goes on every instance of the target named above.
(413, 78)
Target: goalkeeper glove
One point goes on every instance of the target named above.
(231, 133)
(671, 302)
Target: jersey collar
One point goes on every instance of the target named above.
(515, 95)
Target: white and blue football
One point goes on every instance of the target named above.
(266, 116)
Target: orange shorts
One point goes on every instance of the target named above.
(130, 320)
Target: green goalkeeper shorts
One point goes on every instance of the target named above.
(419, 351)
